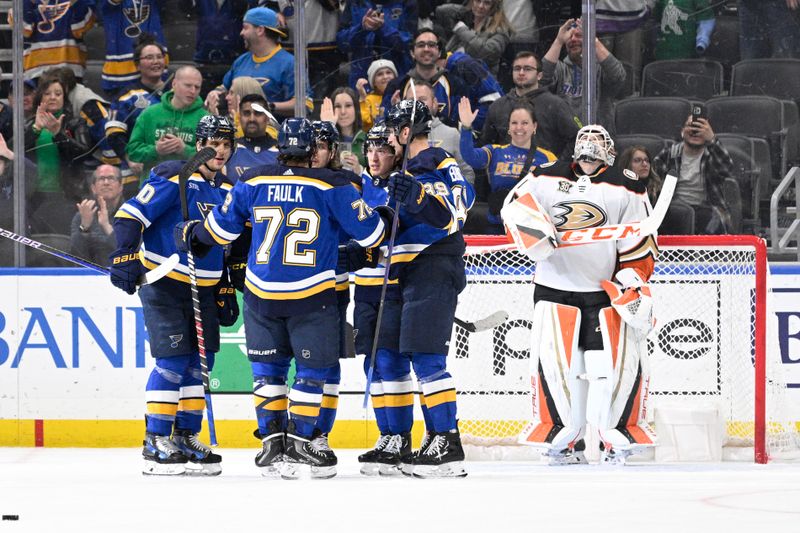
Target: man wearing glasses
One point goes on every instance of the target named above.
(558, 125)
(92, 234)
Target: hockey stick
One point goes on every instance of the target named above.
(389, 250)
(189, 168)
(150, 277)
(483, 324)
(615, 232)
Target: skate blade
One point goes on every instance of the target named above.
(152, 468)
(613, 461)
(370, 469)
(203, 469)
(454, 469)
(272, 471)
(390, 470)
(303, 471)
(564, 460)
(407, 469)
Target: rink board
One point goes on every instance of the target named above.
(74, 359)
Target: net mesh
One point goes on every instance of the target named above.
(702, 350)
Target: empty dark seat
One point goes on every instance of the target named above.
(686, 78)
(180, 39)
(661, 116)
(93, 75)
(779, 78)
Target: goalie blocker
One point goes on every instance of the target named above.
(606, 388)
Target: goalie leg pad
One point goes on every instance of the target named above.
(559, 396)
(621, 410)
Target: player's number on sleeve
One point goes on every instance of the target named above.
(307, 222)
(461, 206)
(146, 194)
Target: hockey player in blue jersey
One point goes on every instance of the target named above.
(290, 298)
(144, 231)
(393, 401)
(433, 199)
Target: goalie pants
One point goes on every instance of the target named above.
(590, 304)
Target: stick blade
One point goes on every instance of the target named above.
(161, 270)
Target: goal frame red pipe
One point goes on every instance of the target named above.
(760, 330)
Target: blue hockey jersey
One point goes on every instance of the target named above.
(124, 21)
(296, 214)
(157, 207)
(441, 178)
(274, 71)
(369, 280)
(250, 153)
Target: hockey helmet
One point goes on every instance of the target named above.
(325, 131)
(593, 143)
(411, 113)
(216, 127)
(377, 136)
(296, 138)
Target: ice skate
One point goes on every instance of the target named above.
(564, 457)
(389, 459)
(307, 457)
(162, 457)
(407, 460)
(368, 460)
(202, 461)
(614, 457)
(273, 444)
(442, 457)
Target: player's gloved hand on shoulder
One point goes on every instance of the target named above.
(237, 269)
(227, 305)
(353, 257)
(407, 191)
(496, 199)
(125, 269)
(185, 241)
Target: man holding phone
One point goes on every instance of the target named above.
(702, 165)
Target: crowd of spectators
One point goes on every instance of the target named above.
(514, 66)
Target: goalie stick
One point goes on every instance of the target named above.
(150, 277)
(483, 324)
(189, 168)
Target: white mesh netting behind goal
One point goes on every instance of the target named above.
(702, 351)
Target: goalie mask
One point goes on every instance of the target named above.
(593, 143)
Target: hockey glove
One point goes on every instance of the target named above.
(407, 191)
(633, 303)
(496, 199)
(125, 269)
(227, 306)
(185, 241)
(353, 257)
(237, 270)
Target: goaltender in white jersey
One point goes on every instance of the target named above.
(589, 356)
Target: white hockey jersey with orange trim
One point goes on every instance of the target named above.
(574, 201)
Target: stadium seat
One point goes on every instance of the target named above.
(686, 78)
(733, 197)
(180, 38)
(661, 116)
(752, 116)
(749, 176)
(95, 40)
(93, 75)
(779, 78)
(631, 82)
(653, 143)
(36, 258)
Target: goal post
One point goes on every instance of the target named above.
(709, 347)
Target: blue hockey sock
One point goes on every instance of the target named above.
(398, 390)
(270, 394)
(162, 393)
(438, 389)
(330, 399)
(192, 401)
(305, 398)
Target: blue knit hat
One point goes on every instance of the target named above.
(264, 16)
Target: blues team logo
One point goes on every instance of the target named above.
(51, 13)
(175, 340)
(137, 15)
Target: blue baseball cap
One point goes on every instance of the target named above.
(264, 16)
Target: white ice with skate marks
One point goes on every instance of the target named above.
(90, 490)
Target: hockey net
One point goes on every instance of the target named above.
(708, 348)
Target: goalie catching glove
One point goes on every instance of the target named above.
(529, 227)
(632, 301)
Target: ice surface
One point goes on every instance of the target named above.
(102, 490)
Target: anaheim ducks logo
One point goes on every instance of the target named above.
(578, 215)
